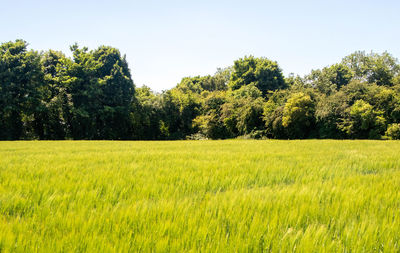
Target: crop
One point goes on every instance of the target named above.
(200, 196)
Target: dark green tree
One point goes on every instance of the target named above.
(52, 120)
(21, 83)
(329, 112)
(180, 107)
(102, 92)
(147, 115)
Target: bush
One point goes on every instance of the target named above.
(393, 132)
(197, 137)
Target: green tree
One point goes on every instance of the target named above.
(298, 115)
(363, 121)
(243, 111)
(330, 79)
(54, 114)
(147, 115)
(296, 82)
(329, 111)
(198, 84)
(180, 107)
(381, 69)
(387, 101)
(393, 132)
(21, 81)
(249, 109)
(261, 72)
(102, 92)
(210, 123)
(273, 114)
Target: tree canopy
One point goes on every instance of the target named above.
(263, 73)
(91, 95)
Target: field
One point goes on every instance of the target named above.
(208, 196)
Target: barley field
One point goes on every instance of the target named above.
(200, 196)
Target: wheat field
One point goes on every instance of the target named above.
(200, 196)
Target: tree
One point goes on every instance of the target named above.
(373, 68)
(102, 92)
(116, 96)
(147, 115)
(92, 96)
(363, 121)
(296, 82)
(210, 123)
(180, 107)
(357, 90)
(250, 116)
(198, 84)
(387, 101)
(21, 81)
(221, 78)
(329, 111)
(261, 72)
(393, 132)
(298, 115)
(248, 109)
(54, 116)
(330, 79)
(242, 112)
(273, 113)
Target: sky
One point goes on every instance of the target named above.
(165, 41)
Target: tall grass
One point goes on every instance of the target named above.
(208, 196)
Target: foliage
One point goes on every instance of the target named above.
(393, 132)
(373, 68)
(55, 117)
(329, 112)
(147, 115)
(298, 115)
(21, 83)
(331, 78)
(210, 123)
(273, 113)
(92, 96)
(363, 121)
(243, 111)
(261, 72)
(198, 84)
(102, 92)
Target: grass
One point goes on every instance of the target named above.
(200, 196)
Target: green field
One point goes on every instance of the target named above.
(208, 196)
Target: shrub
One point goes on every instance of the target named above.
(393, 132)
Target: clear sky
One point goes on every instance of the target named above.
(167, 40)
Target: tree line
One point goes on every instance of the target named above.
(91, 95)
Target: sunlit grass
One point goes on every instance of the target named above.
(240, 195)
